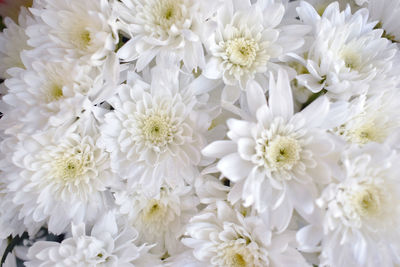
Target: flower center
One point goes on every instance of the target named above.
(157, 130)
(167, 12)
(282, 152)
(81, 38)
(366, 132)
(352, 59)
(241, 51)
(236, 253)
(154, 212)
(71, 166)
(54, 92)
(366, 202)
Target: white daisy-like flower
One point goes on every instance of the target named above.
(13, 41)
(56, 179)
(52, 94)
(159, 217)
(348, 57)
(224, 237)
(155, 130)
(107, 245)
(249, 41)
(386, 12)
(276, 158)
(165, 27)
(361, 211)
(73, 30)
(374, 119)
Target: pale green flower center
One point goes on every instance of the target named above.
(81, 38)
(167, 12)
(154, 212)
(157, 130)
(283, 152)
(241, 51)
(54, 92)
(352, 58)
(367, 201)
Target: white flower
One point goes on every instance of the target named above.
(374, 119)
(386, 12)
(224, 237)
(275, 158)
(56, 179)
(107, 245)
(249, 41)
(361, 211)
(52, 94)
(165, 27)
(73, 31)
(13, 41)
(159, 217)
(155, 130)
(347, 56)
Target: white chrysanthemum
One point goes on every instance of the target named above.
(159, 217)
(224, 237)
(73, 30)
(155, 130)
(249, 41)
(56, 179)
(387, 13)
(107, 245)
(374, 119)
(13, 41)
(361, 211)
(51, 94)
(165, 27)
(347, 56)
(276, 158)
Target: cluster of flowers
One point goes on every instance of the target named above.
(201, 133)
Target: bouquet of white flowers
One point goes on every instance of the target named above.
(176, 133)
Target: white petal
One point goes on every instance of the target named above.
(234, 167)
(255, 96)
(218, 149)
(280, 96)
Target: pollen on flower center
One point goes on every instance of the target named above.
(241, 51)
(283, 152)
